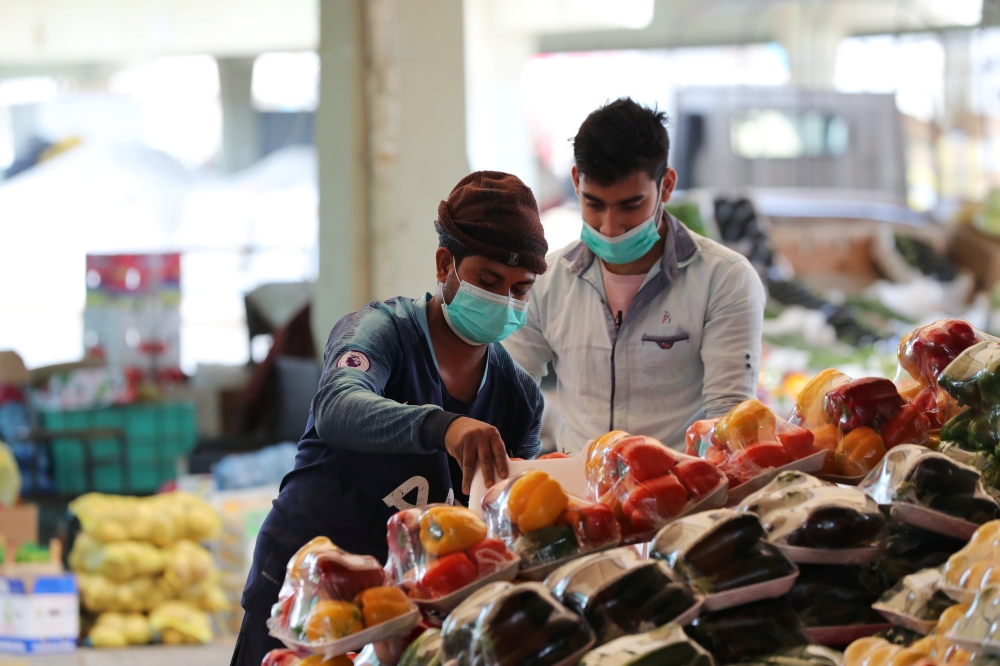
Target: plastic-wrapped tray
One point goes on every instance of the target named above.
(397, 626)
(569, 472)
(842, 480)
(845, 556)
(958, 594)
(444, 605)
(934, 521)
(768, 589)
(571, 660)
(843, 635)
(810, 465)
(539, 573)
(714, 500)
(902, 619)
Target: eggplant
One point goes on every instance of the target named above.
(732, 540)
(522, 630)
(664, 646)
(910, 549)
(548, 544)
(640, 600)
(940, 476)
(831, 595)
(748, 631)
(762, 563)
(837, 527)
(968, 507)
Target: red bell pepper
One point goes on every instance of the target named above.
(699, 477)
(909, 426)
(766, 454)
(651, 503)
(641, 458)
(593, 523)
(556, 455)
(869, 401)
(447, 574)
(699, 437)
(797, 442)
(928, 350)
(489, 556)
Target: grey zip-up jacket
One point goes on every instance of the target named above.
(688, 349)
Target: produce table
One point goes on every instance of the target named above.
(218, 652)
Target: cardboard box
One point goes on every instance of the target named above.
(39, 616)
(975, 251)
(19, 524)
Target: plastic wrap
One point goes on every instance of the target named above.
(542, 524)
(441, 551)
(880, 652)
(749, 441)
(507, 625)
(748, 631)
(722, 554)
(975, 566)
(618, 593)
(665, 646)
(802, 514)
(424, 651)
(937, 644)
(332, 602)
(648, 485)
(806, 655)
(923, 355)
(119, 630)
(909, 550)
(836, 596)
(915, 602)
(931, 490)
(178, 623)
(973, 381)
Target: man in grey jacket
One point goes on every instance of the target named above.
(649, 327)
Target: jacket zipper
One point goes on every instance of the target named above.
(614, 345)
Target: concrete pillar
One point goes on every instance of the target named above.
(390, 132)
(498, 133)
(240, 122)
(810, 33)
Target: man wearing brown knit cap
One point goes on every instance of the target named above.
(415, 395)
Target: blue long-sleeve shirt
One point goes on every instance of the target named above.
(374, 441)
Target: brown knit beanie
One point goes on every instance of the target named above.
(495, 215)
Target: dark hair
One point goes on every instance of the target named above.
(620, 138)
(450, 243)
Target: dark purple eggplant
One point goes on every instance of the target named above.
(837, 527)
(974, 509)
(940, 476)
(763, 562)
(748, 631)
(640, 600)
(732, 540)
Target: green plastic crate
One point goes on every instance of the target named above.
(155, 434)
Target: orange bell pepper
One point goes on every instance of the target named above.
(809, 405)
(379, 604)
(535, 501)
(597, 452)
(859, 451)
(746, 423)
(827, 437)
(331, 619)
(699, 438)
(449, 529)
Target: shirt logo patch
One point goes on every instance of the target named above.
(666, 317)
(395, 499)
(354, 359)
(513, 259)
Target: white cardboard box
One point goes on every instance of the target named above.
(40, 616)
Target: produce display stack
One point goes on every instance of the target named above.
(863, 530)
(142, 572)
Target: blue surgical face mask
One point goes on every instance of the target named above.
(479, 317)
(626, 248)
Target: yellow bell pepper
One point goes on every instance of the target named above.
(859, 451)
(809, 405)
(379, 604)
(535, 501)
(746, 423)
(331, 619)
(449, 529)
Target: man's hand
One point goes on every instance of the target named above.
(470, 441)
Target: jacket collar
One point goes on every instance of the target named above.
(679, 249)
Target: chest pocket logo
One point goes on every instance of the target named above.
(396, 500)
(665, 341)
